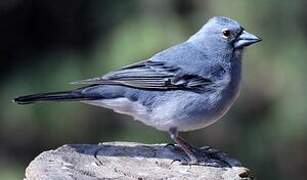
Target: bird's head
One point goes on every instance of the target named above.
(223, 33)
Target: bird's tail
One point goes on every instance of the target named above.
(52, 96)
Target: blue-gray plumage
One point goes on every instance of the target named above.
(185, 87)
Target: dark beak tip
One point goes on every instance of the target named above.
(246, 39)
(259, 39)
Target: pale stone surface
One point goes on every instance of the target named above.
(123, 160)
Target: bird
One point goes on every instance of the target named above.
(185, 87)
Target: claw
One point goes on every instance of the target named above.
(176, 160)
(172, 145)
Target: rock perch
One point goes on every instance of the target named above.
(127, 160)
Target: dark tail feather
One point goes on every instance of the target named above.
(53, 96)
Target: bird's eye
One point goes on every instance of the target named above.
(226, 33)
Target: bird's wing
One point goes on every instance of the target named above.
(151, 75)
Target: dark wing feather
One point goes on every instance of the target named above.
(150, 75)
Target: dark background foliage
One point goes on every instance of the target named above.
(44, 44)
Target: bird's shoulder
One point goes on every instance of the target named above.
(190, 60)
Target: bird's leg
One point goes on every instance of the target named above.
(187, 148)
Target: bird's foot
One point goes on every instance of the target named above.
(217, 156)
(183, 158)
(205, 156)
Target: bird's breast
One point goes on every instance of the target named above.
(230, 90)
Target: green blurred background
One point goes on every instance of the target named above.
(45, 44)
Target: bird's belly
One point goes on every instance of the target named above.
(200, 112)
(185, 111)
(190, 111)
(171, 113)
(132, 108)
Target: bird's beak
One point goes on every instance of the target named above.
(246, 39)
